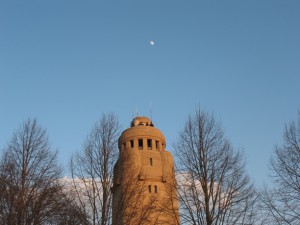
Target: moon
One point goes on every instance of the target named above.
(152, 43)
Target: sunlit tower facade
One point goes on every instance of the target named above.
(144, 178)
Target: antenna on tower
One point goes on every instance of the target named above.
(135, 112)
(150, 111)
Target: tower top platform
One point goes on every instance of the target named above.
(142, 127)
(141, 121)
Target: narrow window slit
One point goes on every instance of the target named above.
(131, 143)
(149, 143)
(140, 143)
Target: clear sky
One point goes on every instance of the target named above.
(66, 62)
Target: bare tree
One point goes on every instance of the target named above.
(213, 187)
(283, 200)
(92, 171)
(30, 192)
(69, 213)
(134, 205)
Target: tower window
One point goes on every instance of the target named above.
(149, 143)
(124, 145)
(131, 143)
(156, 144)
(149, 188)
(151, 162)
(155, 188)
(140, 143)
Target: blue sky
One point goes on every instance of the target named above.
(66, 62)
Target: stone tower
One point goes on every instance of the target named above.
(144, 179)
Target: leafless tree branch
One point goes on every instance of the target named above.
(213, 187)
